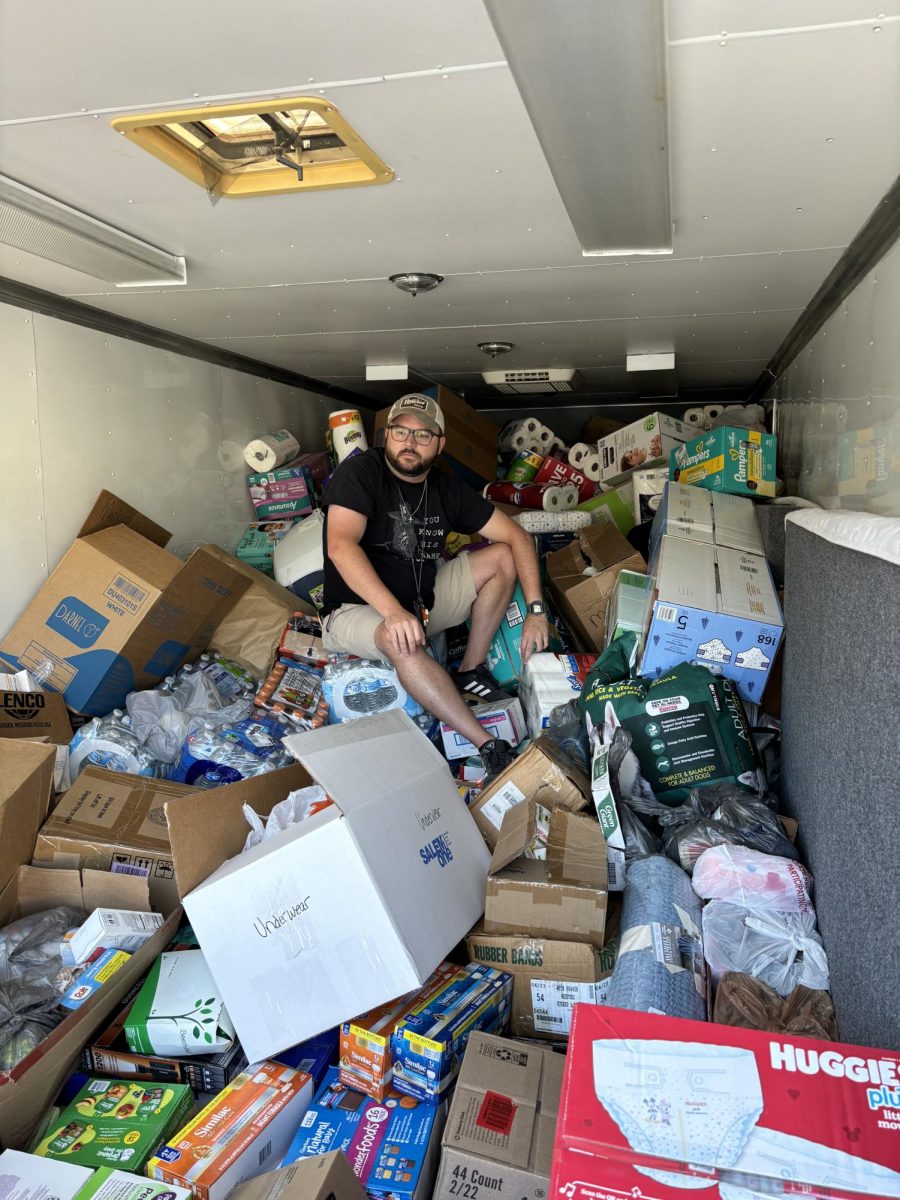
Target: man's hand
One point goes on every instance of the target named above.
(404, 632)
(535, 635)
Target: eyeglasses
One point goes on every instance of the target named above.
(422, 437)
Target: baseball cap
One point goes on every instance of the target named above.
(416, 405)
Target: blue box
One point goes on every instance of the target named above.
(392, 1144)
(313, 1056)
(428, 1045)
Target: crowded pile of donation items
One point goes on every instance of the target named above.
(430, 846)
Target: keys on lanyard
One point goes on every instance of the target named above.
(422, 612)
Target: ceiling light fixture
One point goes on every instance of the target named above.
(40, 225)
(414, 282)
(495, 348)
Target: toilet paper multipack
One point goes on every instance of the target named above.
(655, 1106)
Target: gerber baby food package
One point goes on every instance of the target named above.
(116, 1122)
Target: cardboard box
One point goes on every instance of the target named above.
(327, 920)
(715, 518)
(245, 1128)
(257, 545)
(26, 782)
(471, 448)
(644, 443)
(503, 720)
(284, 493)
(740, 461)
(27, 1177)
(119, 612)
(35, 714)
(615, 506)
(542, 774)
(324, 1177)
(428, 1044)
(780, 1115)
(499, 1134)
(106, 1184)
(108, 818)
(563, 896)
(313, 1056)
(715, 606)
(869, 467)
(549, 977)
(115, 1121)
(366, 1060)
(392, 1148)
(249, 631)
(583, 599)
(108, 1053)
(165, 1020)
(113, 929)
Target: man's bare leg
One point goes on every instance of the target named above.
(494, 574)
(428, 682)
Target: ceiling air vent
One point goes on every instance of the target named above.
(548, 379)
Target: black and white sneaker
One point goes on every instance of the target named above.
(479, 687)
(496, 756)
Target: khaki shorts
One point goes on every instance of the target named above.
(351, 628)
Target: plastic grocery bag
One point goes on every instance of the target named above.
(159, 723)
(725, 814)
(743, 876)
(300, 804)
(780, 948)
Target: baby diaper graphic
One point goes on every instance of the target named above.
(683, 1101)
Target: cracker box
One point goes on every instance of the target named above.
(366, 1063)
(739, 461)
(392, 1146)
(284, 493)
(115, 1122)
(427, 1045)
(654, 1105)
(644, 443)
(241, 1133)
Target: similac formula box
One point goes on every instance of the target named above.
(739, 461)
(654, 1105)
(427, 1045)
(392, 1144)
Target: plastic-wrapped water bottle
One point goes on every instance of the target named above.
(109, 742)
(213, 755)
(231, 680)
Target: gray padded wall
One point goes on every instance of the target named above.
(841, 776)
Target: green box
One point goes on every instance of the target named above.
(116, 1123)
(106, 1184)
(738, 461)
(257, 547)
(615, 506)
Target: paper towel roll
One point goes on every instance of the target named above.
(347, 432)
(695, 417)
(271, 450)
(591, 467)
(550, 498)
(579, 453)
(545, 436)
(537, 521)
(710, 412)
(520, 435)
(524, 467)
(558, 449)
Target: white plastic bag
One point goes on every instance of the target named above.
(299, 805)
(781, 949)
(159, 723)
(753, 879)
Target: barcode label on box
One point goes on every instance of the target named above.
(507, 797)
(496, 1114)
(666, 612)
(125, 594)
(265, 1153)
(552, 1002)
(121, 868)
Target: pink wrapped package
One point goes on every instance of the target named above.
(754, 880)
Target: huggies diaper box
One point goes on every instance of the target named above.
(653, 1105)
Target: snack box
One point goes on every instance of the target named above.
(739, 461)
(101, 966)
(115, 1122)
(392, 1144)
(366, 1062)
(428, 1044)
(107, 1184)
(243, 1131)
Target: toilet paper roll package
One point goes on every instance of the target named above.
(653, 1106)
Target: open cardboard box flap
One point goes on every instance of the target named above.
(110, 510)
(35, 889)
(25, 791)
(576, 848)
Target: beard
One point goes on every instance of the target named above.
(410, 461)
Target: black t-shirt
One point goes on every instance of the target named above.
(399, 549)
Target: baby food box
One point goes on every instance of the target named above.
(644, 443)
(366, 1062)
(392, 1145)
(652, 1105)
(739, 461)
(116, 1122)
(428, 1044)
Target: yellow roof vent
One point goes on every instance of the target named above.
(259, 147)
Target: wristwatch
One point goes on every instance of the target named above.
(536, 608)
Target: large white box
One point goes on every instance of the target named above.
(644, 443)
(345, 911)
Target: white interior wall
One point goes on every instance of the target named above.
(82, 411)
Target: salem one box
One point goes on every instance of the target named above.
(347, 910)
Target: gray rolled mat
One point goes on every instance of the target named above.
(659, 967)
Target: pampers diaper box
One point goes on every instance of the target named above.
(392, 1144)
(740, 461)
(654, 1105)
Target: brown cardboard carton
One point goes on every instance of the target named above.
(498, 1140)
(549, 976)
(26, 781)
(120, 612)
(471, 438)
(33, 715)
(562, 897)
(250, 631)
(583, 599)
(323, 1177)
(111, 817)
(543, 774)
